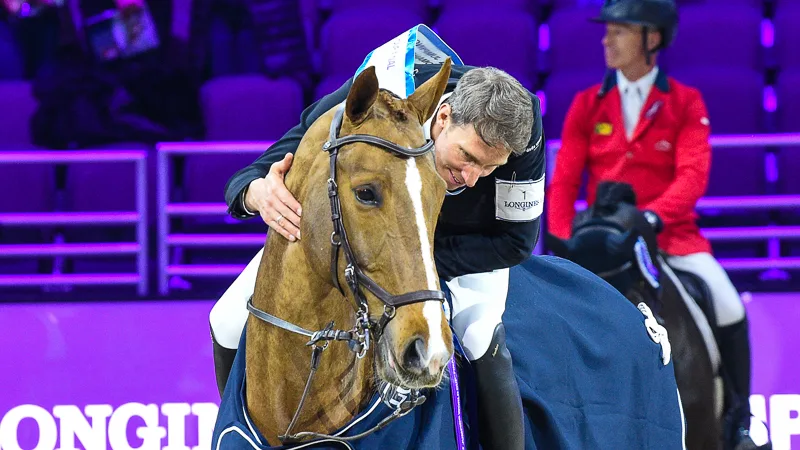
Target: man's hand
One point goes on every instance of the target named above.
(277, 206)
(654, 220)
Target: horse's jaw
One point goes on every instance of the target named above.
(278, 361)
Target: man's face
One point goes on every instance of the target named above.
(461, 156)
(622, 45)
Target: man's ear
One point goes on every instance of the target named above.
(442, 114)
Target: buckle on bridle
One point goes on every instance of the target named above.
(325, 334)
(350, 275)
(332, 188)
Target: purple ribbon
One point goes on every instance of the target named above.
(455, 394)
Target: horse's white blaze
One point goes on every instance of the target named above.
(432, 310)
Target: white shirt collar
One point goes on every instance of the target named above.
(644, 84)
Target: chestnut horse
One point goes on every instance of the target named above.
(357, 300)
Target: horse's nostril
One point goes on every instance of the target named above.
(414, 356)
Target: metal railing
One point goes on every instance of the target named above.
(166, 210)
(137, 218)
(772, 234)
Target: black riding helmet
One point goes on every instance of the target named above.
(659, 14)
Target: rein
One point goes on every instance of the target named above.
(360, 336)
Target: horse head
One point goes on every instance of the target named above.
(613, 239)
(390, 203)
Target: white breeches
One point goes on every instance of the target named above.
(479, 301)
(229, 315)
(727, 302)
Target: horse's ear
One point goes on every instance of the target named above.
(426, 98)
(558, 246)
(362, 96)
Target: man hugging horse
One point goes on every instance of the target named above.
(376, 236)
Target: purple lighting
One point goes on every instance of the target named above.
(206, 270)
(738, 203)
(137, 218)
(217, 240)
(739, 140)
(542, 101)
(771, 168)
(770, 99)
(19, 250)
(165, 210)
(544, 37)
(69, 218)
(767, 33)
(96, 279)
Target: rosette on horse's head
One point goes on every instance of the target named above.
(394, 61)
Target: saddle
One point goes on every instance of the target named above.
(699, 291)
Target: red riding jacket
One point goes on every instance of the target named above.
(667, 160)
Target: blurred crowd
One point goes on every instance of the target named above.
(110, 71)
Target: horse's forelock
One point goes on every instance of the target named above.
(394, 106)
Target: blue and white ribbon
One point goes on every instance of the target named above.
(394, 61)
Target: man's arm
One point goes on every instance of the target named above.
(569, 164)
(692, 166)
(238, 183)
(475, 253)
(509, 243)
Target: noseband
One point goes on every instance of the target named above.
(358, 338)
(599, 224)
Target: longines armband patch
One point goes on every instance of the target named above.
(518, 201)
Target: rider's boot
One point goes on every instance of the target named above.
(223, 363)
(734, 347)
(500, 415)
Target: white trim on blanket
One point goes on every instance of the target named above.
(256, 447)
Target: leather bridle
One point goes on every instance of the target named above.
(359, 337)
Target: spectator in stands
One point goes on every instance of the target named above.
(250, 36)
(647, 129)
(115, 80)
(232, 43)
(29, 37)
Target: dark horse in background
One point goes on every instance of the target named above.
(614, 240)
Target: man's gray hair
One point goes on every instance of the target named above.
(498, 107)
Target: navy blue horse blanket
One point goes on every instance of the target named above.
(590, 375)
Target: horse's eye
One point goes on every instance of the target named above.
(367, 195)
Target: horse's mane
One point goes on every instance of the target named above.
(395, 109)
(611, 194)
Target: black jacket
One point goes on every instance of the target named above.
(493, 225)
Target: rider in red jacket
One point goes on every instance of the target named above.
(666, 159)
(644, 128)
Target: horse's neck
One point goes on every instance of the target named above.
(278, 361)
